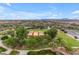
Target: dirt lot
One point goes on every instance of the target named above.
(35, 33)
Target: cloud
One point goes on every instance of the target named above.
(75, 17)
(7, 13)
(75, 12)
(2, 9)
(8, 4)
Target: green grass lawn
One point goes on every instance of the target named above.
(41, 30)
(70, 41)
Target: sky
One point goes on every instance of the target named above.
(39, 10)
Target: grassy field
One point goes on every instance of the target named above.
(40, 30)
(70, 41)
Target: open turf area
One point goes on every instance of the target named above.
(40, 30)
(70, 41)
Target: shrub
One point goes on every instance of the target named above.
(4, 37)
(42, 52)
(2, 49)
(52, 32)
(14, 52)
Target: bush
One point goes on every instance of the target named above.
(41, 52)
(2, 49)
(52, 32)
(75, 37)
(64, 30)
(4, 37)
(10, 42)
(14, 52)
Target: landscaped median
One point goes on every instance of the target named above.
(70, 41)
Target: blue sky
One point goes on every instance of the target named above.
(39, 10)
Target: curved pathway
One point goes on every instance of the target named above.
(22, 52)
(8, 49)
